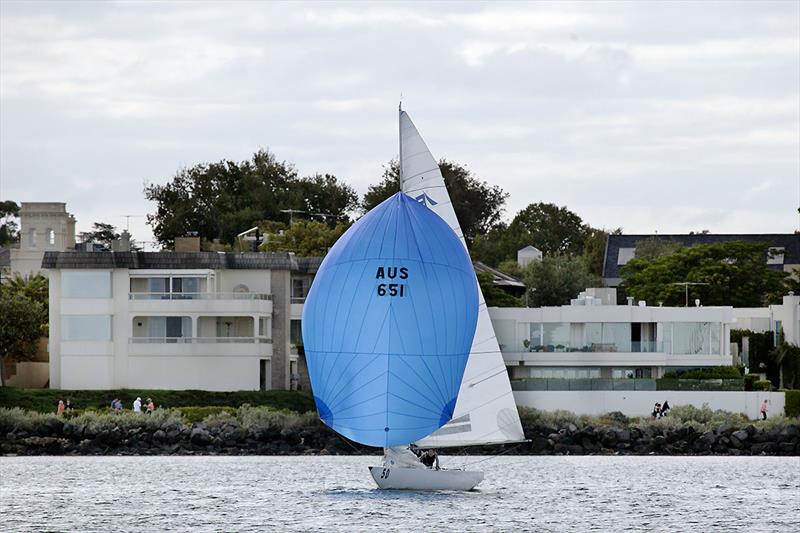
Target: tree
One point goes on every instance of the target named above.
(494, 296)
(9, 234)
(34, 288)
(551, 229)
(220, 200)
(734, 273)
(101, 233)
(556, 279)
(654, 247)
(20, 328)
(594, 248)
(477, 205)
(305, 238)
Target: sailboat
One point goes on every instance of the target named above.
(434, 375)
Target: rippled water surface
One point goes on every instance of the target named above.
(337, 494)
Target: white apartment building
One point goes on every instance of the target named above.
(172, 320)
(778, 318)
(592, 339)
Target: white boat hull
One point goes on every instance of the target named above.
(425, 478)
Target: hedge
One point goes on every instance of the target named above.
(762, 384)
(46, 400)
(792, 407)
(716, 372)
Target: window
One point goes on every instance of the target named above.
(504, 330)
(617, 334)
(51, 236)
(556, 336)
(300, 287)
(693, 338)
(189, 287)
(296, 332)
(32, 237)
(85, 284)
(775, 256)
(565, 373)
(625, 255)
(163, 328)
(86, 328)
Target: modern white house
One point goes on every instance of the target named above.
(778, 318)
(591, 338)
(173, 320)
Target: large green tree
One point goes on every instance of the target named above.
(495, 296)
(594, 248)
(732, 273)
(9, 210)
(305, 238)
(220, 200)
(477, 204)
(654, 247)
(551, 229)
(21, 322)
(556, 279)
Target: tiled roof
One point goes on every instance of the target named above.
(181, 260)
(788, 241)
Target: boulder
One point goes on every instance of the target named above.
(200, 436)
(741, 435)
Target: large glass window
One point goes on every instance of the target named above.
(618, 335)
(692, 338)
(504, 330)
(534, 337)
(556, 336)
(86, 327)
(85, 284)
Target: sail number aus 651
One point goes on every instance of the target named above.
(392, 289)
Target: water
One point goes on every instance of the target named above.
(337, 494)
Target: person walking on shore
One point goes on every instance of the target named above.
(151, 406)
(137, 405)
(68, 406)
(764, 410)
(60, 408)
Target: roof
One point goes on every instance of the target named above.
(182, 260)
(788, 241)
(501, 279)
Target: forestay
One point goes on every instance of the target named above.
(485, 411)
(388, 325)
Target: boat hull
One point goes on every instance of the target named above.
(424, 478)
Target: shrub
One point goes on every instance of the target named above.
(559, 418)
(264, 417)
(716, 372)
(198, 414)
(792, 408)
(762, 384)
(705, 416)
(749, 379)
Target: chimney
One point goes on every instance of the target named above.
(188, 243)
(123, 244)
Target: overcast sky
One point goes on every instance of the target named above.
(667, 116)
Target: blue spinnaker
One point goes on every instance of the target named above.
(388, 325)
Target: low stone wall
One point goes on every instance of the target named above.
(57, 437)
(640, 403)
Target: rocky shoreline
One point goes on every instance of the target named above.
(55, 436)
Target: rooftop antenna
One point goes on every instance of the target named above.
(291, 213)
(686, 287)
(128, 221)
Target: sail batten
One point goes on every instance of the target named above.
(485, 395)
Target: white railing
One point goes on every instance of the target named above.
(198, 296)
(200, 340)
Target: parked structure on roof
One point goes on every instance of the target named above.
(44, 226)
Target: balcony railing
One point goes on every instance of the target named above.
(200, 340)
(298, 299)
(631, 347)
(198, 296)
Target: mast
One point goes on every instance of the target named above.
(400, 140)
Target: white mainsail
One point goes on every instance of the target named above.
(485, 411)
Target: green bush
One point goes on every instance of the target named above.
(716, 372)
(762, 384)
(46, 400)
(199, 414)
(792, 408)
(705, 416)
(749, 380)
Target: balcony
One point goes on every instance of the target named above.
(200, 302)
(200, 347)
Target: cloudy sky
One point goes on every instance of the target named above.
(666, 116)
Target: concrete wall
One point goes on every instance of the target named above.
(193, 372)
(640, 403)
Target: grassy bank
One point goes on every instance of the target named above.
(46, 400)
